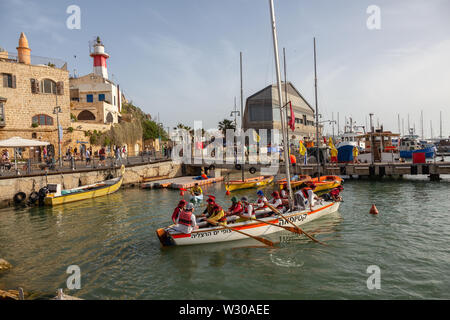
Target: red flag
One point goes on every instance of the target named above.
(292, 121)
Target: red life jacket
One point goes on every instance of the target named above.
(185, 218)
(305, 192)
(175, 214)
(261, 201)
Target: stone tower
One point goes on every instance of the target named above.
(23, 50)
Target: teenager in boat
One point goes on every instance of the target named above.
(186, 221)
(304, 197)
(276, 201)
(180, 207)
(284, 197)
(334, 194)
(261, 202)
(236, 207)
(209, 207)
(218, 216)
(196, 190)
(248, 208)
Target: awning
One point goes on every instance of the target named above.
(18, 142)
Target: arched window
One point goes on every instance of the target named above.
(109, 118)
(48, 86)
(42, 120)
(86, 115)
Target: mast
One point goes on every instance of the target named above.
(338, 125)
(398, 120)
(440, 124)
(421, 123)
(317, 112)
(280, 99)
(286, 98)
(242, 123)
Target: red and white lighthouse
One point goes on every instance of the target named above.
(100, 57)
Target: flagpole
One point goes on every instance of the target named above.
(317, 112)
(286, 97)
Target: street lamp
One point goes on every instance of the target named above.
(57, 111)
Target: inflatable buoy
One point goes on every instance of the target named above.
(252, 170)
(204, 176)
(373, 210)
(19, 197)
(227, 193)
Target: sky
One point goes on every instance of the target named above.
(179, 60)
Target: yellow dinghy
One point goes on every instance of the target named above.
(294, 183)
(85, 192)
(248, 183)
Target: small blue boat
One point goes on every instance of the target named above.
(408, 154)
(410, 144)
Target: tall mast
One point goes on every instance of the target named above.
(421, 123)
(398, 120)
(242, 124)
(286, 98)
(440, 124)
(280, 99)
(317, 112)
(338, 125)
(431, 129)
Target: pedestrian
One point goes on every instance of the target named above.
(102, 156)
(88, 157)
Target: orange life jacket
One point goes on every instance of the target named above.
(305, 192)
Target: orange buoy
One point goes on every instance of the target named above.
(227, 193)
(373, 210)
(204, 176)
(182, 190)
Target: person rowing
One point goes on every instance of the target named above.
(276, 201)
(284, 197)
(217, 217)
(248, 211)
(261, 202)
(236, 207)
(186, 221)
(306, 196)
(180, 207)
(196, 190)
(209, 208)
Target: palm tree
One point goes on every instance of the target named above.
(226, 124)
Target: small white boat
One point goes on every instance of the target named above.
(196, 199)
(170, 236)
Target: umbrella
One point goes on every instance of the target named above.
(18, 142)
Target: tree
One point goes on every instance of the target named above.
(226, 124)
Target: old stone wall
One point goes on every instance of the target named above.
(132, 177)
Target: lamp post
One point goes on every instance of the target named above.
(56, 111)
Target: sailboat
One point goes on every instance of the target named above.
(264, 224)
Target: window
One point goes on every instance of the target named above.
(9, 80)
(43, 120)
(90, 98)
(109, 118)
(48, 86)
(2, 113)
(114, 100)
(101, 97)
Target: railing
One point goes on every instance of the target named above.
(71, 164)
(35, 60)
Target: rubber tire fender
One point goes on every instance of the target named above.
(19, 197)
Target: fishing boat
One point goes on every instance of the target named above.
(349, 140)
(58, 196)
(171, 237)
(410, 144)
(248, 183)
(295, 181)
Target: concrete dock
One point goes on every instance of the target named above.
(180, 182)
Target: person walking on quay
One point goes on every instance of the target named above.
(44, 153)
(88, 157)
(118, 158)
(102, 156)
(355, 155)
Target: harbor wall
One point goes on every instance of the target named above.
(133, 176)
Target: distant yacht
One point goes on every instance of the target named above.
(410, 144)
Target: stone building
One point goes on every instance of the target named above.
(29, 92)
(262, 112)
(93, 97)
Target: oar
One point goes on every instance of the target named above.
(265, 241)
(291, 229)
(279, 213)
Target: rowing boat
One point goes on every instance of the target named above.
(299, 180)
(325, 183)
(85, 192)
(171, 237)
(196, 199)
(248, 183)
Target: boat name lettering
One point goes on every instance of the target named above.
(298, 218)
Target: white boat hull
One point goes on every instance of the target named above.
(254, 228)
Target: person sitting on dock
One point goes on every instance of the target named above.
(217, 217)
(180, 207)
(186, 220)
(261, 203)
(236, 207)
(196, 190)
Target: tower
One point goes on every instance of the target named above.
(100, 57)
(23, 51)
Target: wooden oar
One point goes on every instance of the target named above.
(279, 213)
(291, 229)
(265, 241)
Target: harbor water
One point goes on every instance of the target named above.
(113, 241)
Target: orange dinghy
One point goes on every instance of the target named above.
(294, 183)
(325, 183)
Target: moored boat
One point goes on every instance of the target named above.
(58, 196)
(295, 181)
(325, 183)
(248, 183)
(171, 237)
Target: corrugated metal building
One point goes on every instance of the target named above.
(262, 112)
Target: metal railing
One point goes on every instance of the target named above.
(75, 164)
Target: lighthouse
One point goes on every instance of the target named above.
(100, 57)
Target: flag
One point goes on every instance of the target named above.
(256, 137)
(302, 149)
(292, 121)
(305, 159)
